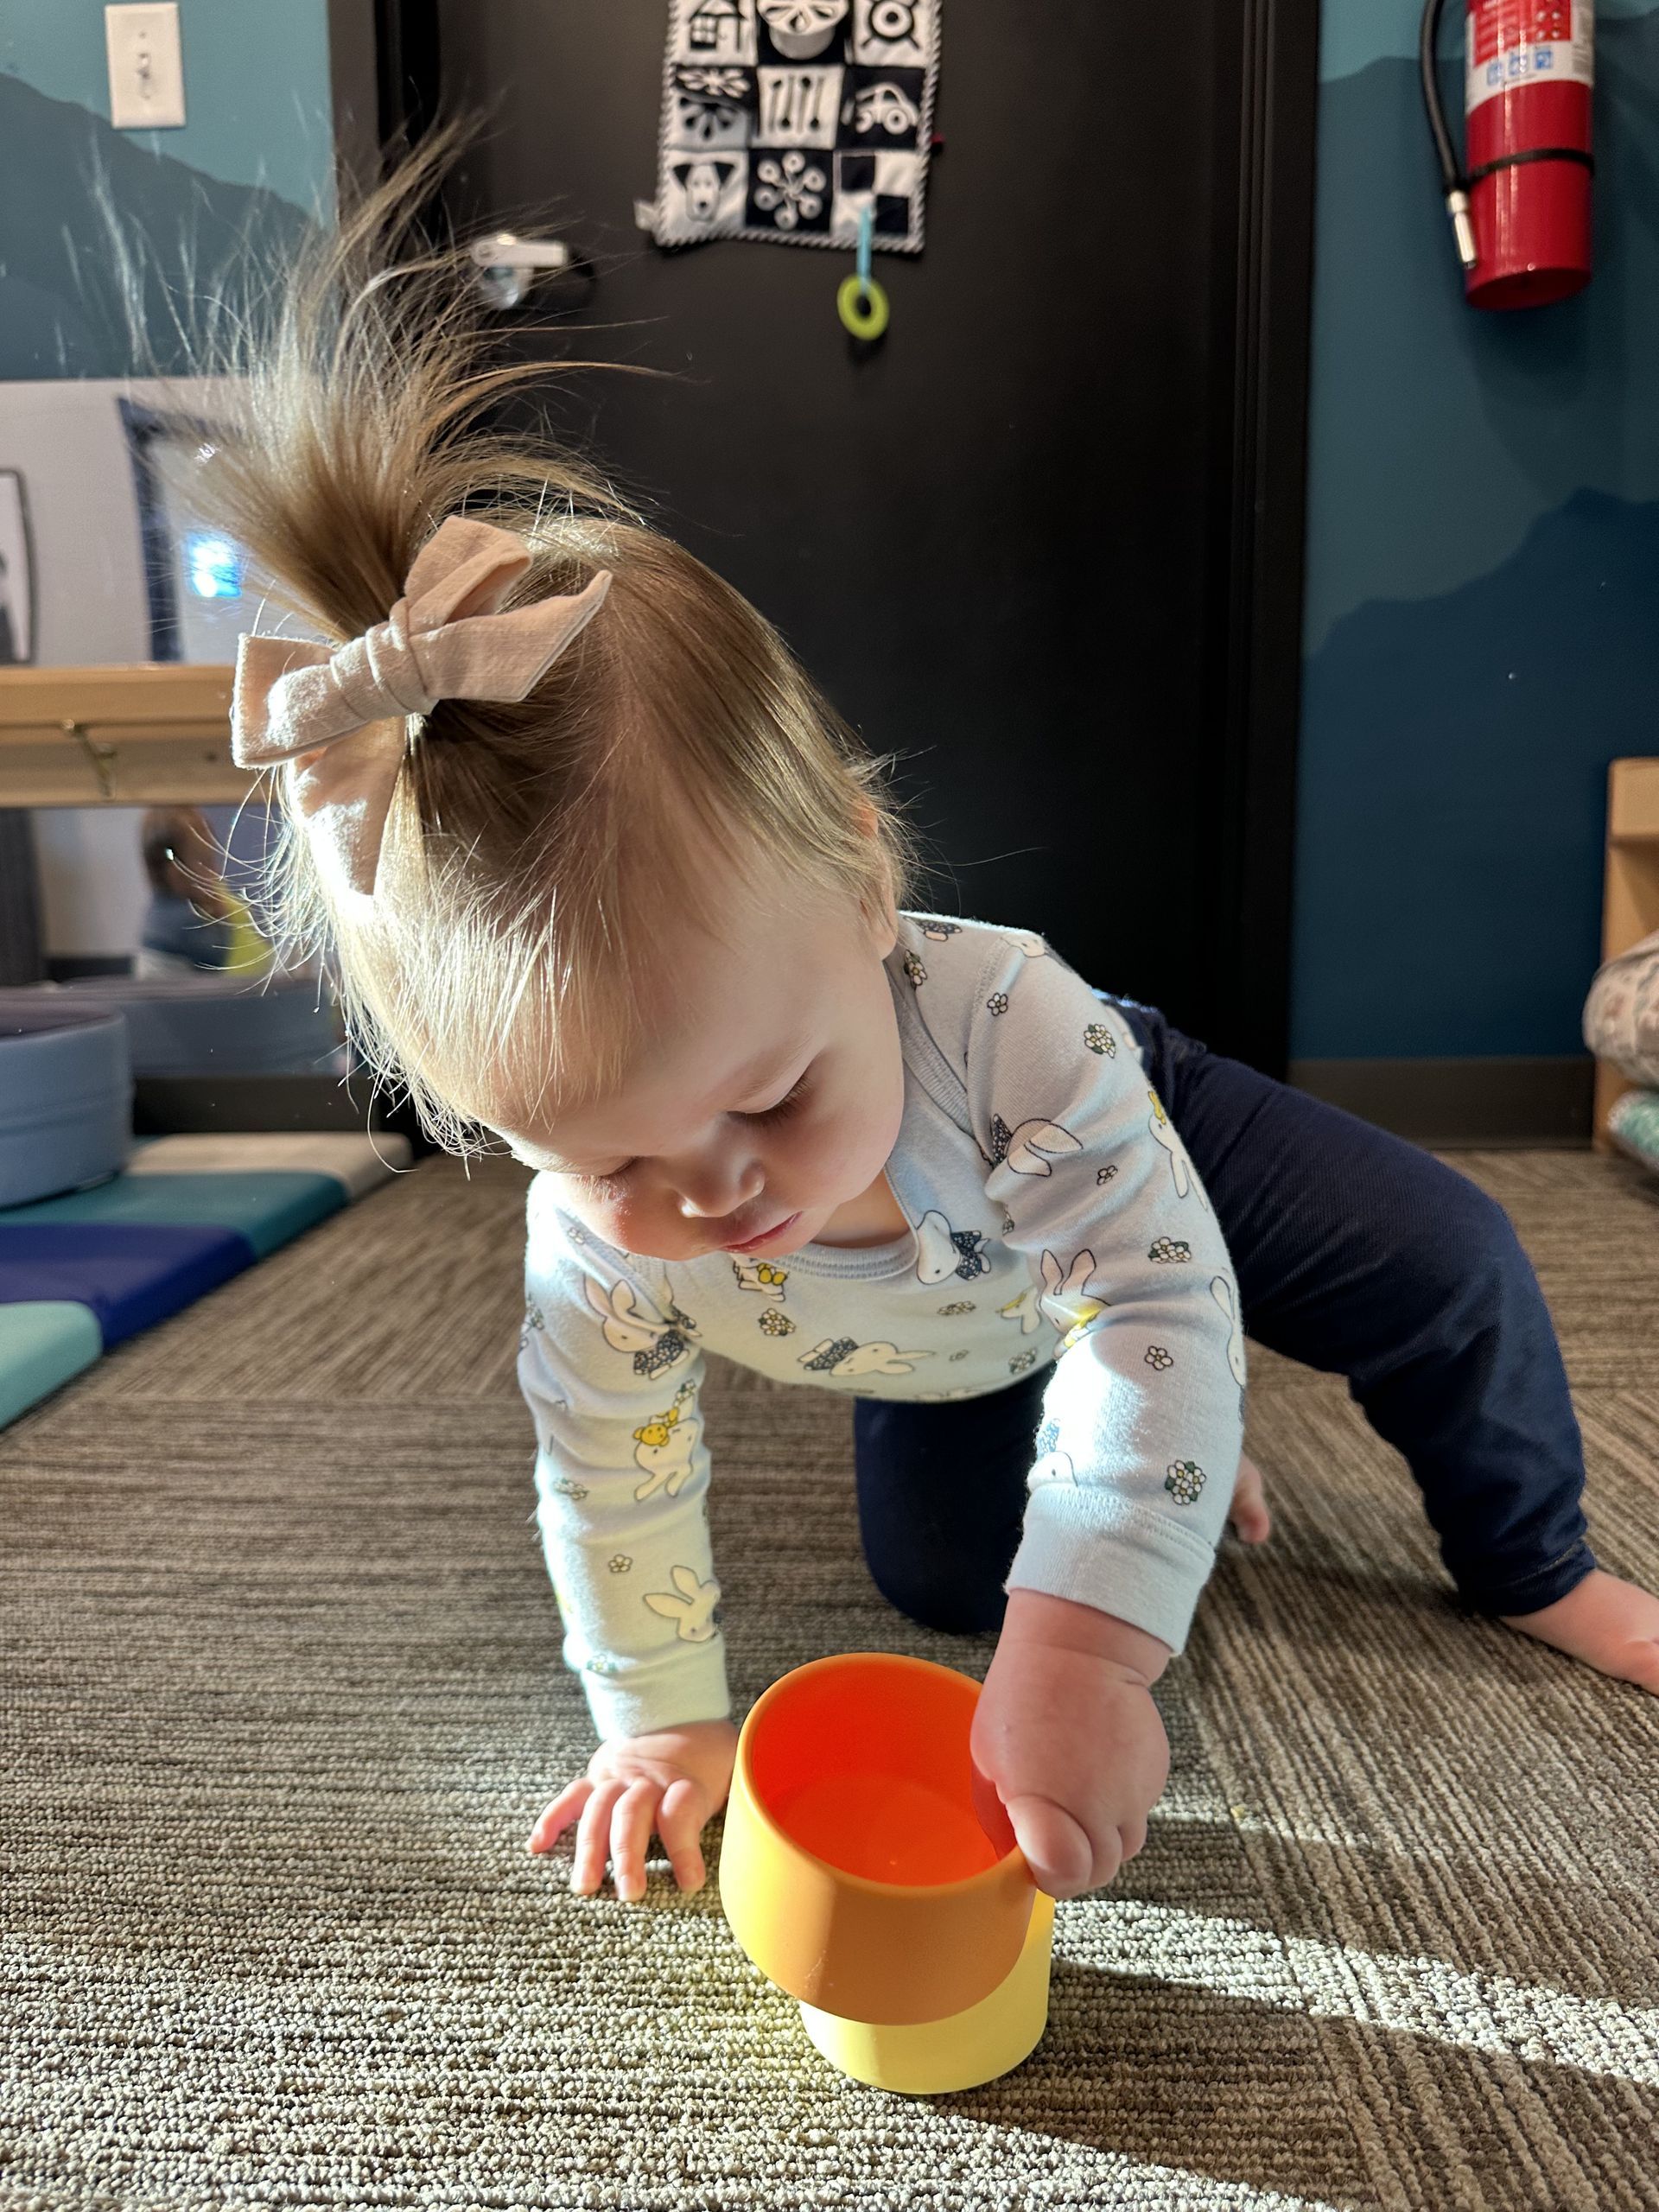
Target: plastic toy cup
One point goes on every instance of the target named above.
(855, 1874)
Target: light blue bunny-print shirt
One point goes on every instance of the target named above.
(1055, 1222)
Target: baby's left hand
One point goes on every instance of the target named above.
(1068, 1737)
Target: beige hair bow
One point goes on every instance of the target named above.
(335, 715)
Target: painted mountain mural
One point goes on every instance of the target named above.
(1483, 604)
(61, 311)
(1450, 859)
(1440, 434)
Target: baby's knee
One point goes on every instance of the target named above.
(953, 1607)
(1463, 1251)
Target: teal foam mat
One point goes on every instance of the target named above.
(41, 1346)
(269, 1208)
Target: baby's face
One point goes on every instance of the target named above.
(771, 1094)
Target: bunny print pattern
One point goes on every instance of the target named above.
(1053, 1223)
(1066, 1296)
(690, 1605)
(764, 1276)
(943, 1251)
(843, 1356)
(664, 1446)
(659, 1342)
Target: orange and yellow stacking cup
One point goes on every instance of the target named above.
(856, 1875)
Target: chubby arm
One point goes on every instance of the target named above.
(1135, 1459)
(619, 1499)
(612, 1373)
(1067, 1737)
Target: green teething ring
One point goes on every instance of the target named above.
(862, 306)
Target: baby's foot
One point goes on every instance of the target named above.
(1248, 1510)
(1611, 1625)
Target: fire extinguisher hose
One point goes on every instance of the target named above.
(1454, 184)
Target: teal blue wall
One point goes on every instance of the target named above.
(252, 161)
(256, 85)
(1482, 558)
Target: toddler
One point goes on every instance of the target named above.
(195, 922)
(597, 869)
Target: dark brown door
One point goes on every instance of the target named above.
(1014, 540)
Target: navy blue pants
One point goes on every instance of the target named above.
(1356, 1253)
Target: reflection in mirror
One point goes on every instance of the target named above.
(157, 910)
(107, 558)
(16, 574)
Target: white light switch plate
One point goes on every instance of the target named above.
(146, 67)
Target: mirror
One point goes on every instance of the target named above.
(135, 848)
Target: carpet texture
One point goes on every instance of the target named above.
(280, 1694)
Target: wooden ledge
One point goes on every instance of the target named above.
(155, 734)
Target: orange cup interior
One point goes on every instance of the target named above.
(865, 1764)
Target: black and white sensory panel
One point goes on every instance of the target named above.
(784, 119)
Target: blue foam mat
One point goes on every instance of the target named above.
(130, 1275)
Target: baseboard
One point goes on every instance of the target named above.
(1495, 1102)
(73, 967)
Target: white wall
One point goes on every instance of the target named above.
(93, 889)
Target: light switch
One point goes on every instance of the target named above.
(146, 67)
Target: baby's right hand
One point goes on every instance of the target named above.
(673, 1782)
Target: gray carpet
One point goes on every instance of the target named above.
(280, 1693)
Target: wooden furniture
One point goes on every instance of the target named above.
(154, 734)
(1631, 902)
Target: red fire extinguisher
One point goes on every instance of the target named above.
(1520, 201)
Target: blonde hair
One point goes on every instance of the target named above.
(179, 851)
(537, 854)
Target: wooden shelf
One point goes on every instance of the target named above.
(152, 735)
(1631, 901)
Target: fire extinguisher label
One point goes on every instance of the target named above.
(1527, 41)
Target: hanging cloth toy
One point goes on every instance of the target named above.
(785, 119)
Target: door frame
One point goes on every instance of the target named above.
(1260, 524)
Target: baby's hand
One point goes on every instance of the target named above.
(1068, 1736)
(673, 1782)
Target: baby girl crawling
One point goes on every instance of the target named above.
(596, 867)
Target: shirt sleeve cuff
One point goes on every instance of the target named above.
(1097, 1550)
(640, 1701)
